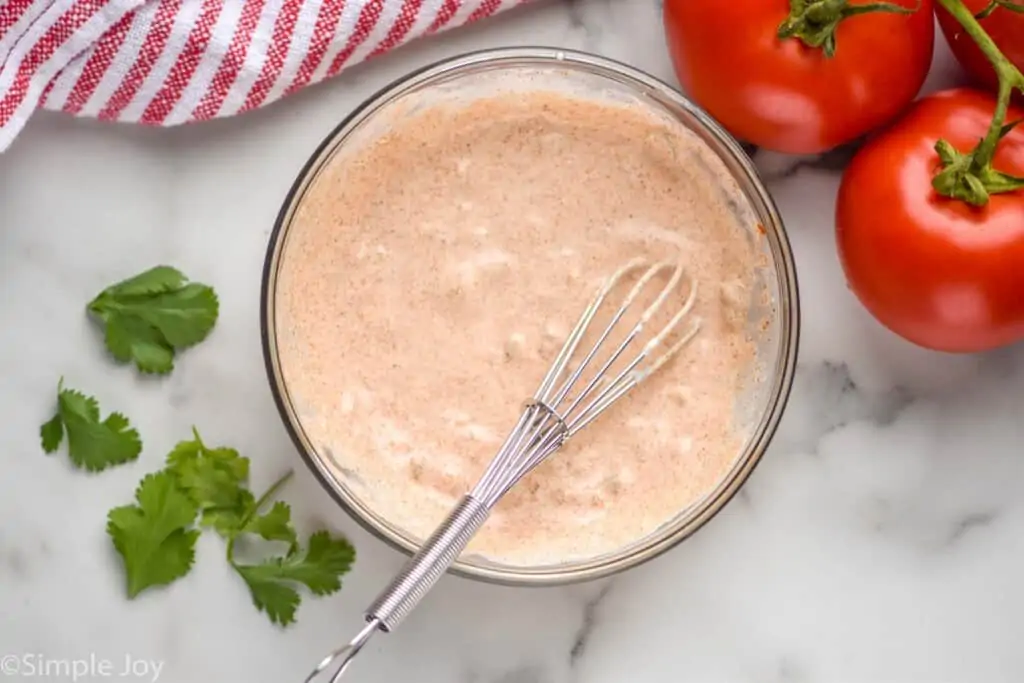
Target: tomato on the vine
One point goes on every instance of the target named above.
(937, 271)
(1004, 26)
(781, 94)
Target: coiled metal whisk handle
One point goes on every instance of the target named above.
(429, 564)
(568, 399)
(416, 579)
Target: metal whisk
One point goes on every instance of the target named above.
(556, 412)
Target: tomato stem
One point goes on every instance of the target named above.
(814, 22)
(996, 4)
(970, 177)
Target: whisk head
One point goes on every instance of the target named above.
(571, 396)
(574, 394)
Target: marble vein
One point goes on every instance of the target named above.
(587, 624)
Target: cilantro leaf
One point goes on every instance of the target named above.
(52, 433)
(271, 583)
(153, 536)
(152, 315)
(213, 477)
(275, 525)
(279, 601)
(93, 445)
(327, 558)
(130, 338)
(157, 280)
(228, 521)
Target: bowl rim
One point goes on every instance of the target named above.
(788, 308)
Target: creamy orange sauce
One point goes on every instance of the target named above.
(429, 280)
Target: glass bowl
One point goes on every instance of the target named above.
(760, 405)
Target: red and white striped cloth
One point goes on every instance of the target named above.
(168, 62)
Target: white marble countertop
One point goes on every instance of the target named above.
(881, 539)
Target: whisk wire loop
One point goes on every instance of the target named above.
(628, 377)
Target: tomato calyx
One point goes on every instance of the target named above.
(814, 22)
(970, 177)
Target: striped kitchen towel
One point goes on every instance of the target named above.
(168, 62)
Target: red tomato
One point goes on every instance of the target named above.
(1005, 27)
(785, 96)
(936, 271)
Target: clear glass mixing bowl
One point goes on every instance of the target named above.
(759, 405)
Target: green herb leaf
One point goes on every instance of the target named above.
(52, 433)
(271, 583)
(227, 522)
(157, 280)
(93, 445)
(275, 525)
(279, 601)
(154, 536)
(154, 314)
(214, 478)
(246, 518)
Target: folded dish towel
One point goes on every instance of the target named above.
(167, 62)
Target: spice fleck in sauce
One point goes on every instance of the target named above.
(430, 278)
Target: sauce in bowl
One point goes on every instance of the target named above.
(431, 275)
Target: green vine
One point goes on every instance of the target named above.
(970, 177)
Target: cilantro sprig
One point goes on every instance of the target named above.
(273, 582)
(207, 488)
(93, 444)
(149, 317)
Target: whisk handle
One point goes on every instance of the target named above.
(428, 565)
